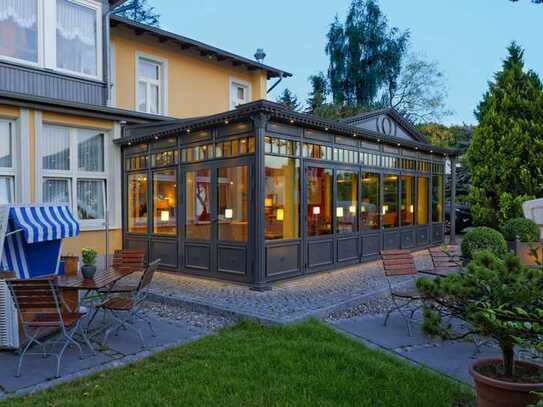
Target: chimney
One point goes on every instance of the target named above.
(260, 55)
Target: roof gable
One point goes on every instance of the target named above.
(387, 122)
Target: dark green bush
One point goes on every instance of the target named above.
(483, 238)
(525, 229)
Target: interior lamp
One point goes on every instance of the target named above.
(228, 213)
(316, 210)
(411, 208)
(280, 215)
(164, 216)
(352, 209)
(339, 212)
(268, 202)
(385, 209)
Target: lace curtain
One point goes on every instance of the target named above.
(22, 12)
(90, 199)
(76, 38)
(56, 148)
(90, 151)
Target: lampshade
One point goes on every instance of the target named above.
(316, 210)
(268, 202)
(339, 212)
(280, 215)
(352, 209)
(228, 213)
(411, 208)
(164, 216)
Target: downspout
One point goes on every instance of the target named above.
(275, 84)
(107, 47)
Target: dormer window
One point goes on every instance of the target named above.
(63, 35)
(19, 30)
(76, 38)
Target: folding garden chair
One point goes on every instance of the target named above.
(42, 309)
(126, 310)
(400, 263)
(446, 260)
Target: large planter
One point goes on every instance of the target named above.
(88, 271)
(523, 250)
(497, 393)
(70, 265)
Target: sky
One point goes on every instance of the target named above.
(468, 38)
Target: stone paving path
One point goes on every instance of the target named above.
(38, 373)
(316, 295)
(452, 358)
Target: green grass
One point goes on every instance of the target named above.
(251, 365)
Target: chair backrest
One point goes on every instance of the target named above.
(39, 296)
(129, 258)
(446, 258)
(148, 274)
(398, 263)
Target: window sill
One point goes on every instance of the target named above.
(95, 228)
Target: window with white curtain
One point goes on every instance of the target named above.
(19, 29)
(240, 93)
(57, 34)
(7, 162)
(74, 171)
(76, 38)
(150, 87)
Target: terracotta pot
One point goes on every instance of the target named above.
(497, 393)
(70, 265)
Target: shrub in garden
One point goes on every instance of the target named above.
(483, 238)
(526, 230)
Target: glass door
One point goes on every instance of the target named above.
(217, 217)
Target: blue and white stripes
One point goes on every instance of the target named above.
(44, 223)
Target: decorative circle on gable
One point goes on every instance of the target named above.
(387, 126)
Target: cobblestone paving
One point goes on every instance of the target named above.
(287, 301)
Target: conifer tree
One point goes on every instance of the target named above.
(506, 152)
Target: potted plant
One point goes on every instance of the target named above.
(502, 299)
(88, 257)
(522, 237)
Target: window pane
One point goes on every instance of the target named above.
(6, 146)
(142, 93)
(233, 187)
(408, 200)
(90, 199)
(282, 203)
(346, 201)
(369, 208)
(198, 205)
(56, 190)
(437, 198)
(90, 151)
(56, 148)
(6, 190)
(390, 201)
(154, 106)
(148, 69)
(319, 201)
(137, 203)
(422, 201)
(19, 29)
(165, 202)
(76, 38)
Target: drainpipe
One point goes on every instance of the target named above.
(107, 41)
(275, 84)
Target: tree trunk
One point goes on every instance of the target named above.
(508, 358)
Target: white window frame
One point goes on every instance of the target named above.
(162, 82)
(40, 28)
(12, 171)
(242, 83)
(74, 174)
(47, 39)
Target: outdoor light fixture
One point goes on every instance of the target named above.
(316, 210)
(291, 121)
(339, 212)
(268, 202)
(280, 215)
(228, 213)
(164, 216)
(226, 122)
(352, 209)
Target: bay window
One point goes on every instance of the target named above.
(7, 162)
(19, 30)
(74, 171)
(54, 34)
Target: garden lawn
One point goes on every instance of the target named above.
(308, 364)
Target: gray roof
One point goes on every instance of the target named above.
(204, 49)
(147, 132)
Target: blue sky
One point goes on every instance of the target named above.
(468, 38)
